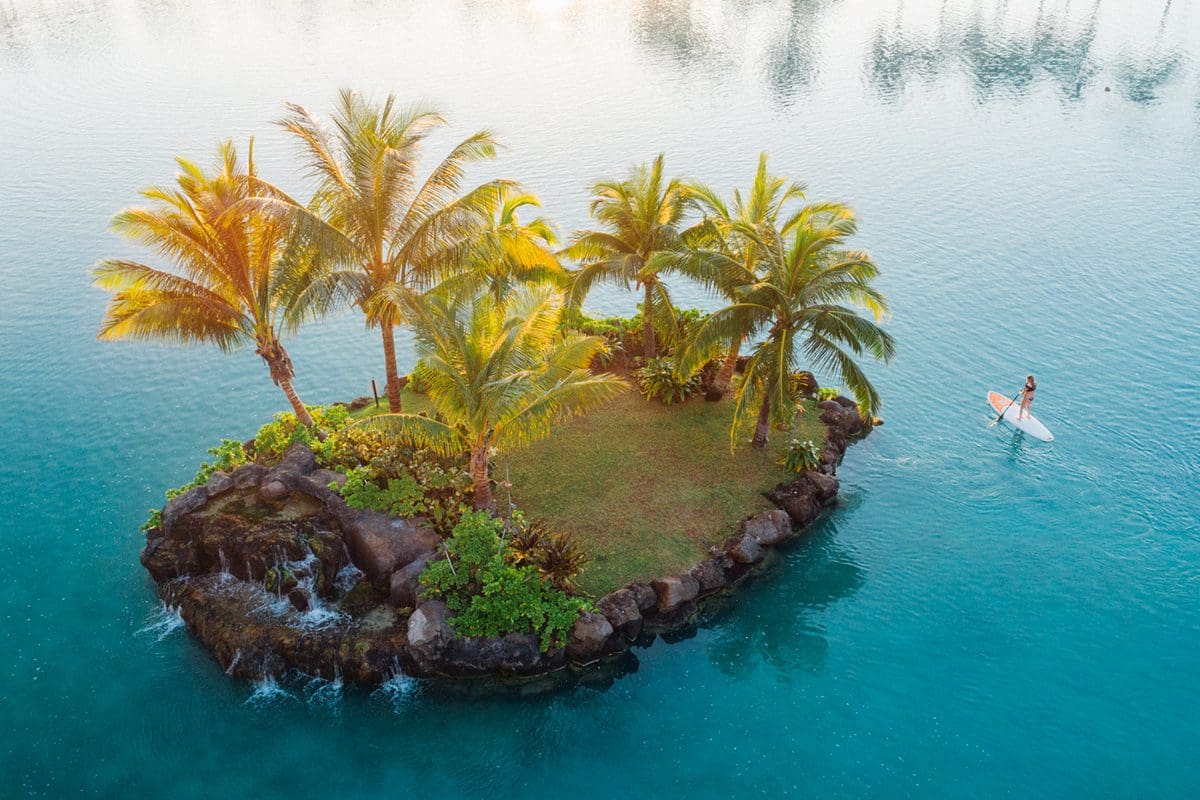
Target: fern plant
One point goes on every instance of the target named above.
(658, 380)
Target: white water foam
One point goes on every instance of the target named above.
(162, 622)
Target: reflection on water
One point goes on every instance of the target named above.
(792, 62)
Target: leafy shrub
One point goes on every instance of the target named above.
(406, 483)
(282, 432)
(400, 497)
(557, 556)
(658, 380)
(828, 392)
(490, 594)
(801, 455)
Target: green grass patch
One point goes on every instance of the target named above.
(645, 487)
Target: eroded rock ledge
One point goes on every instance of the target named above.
(273, 572)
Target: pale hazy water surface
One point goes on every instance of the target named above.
(980, 616)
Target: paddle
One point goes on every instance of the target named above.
(1006, 408)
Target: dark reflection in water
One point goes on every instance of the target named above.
(793, 62)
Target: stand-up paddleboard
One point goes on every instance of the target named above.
(1029, 424)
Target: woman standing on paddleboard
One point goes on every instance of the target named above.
(1027, 397)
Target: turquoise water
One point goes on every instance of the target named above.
(980, 616)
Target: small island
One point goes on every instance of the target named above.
(545, 488)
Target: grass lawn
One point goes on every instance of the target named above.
(645, 487)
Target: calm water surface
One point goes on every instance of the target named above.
(982, 615)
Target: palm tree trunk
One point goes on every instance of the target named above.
(720, 384)
(279, 363)
(393, 374)
(649, 345)
(479, 474)
(302, 414)
(763, 429)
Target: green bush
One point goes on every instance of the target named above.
(801, 456)
(557, 555)
(400, 497)
(415, 483)
(282, 432)
(828, 392)
(658, 380)
(490, 594)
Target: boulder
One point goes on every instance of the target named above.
(621, 610)
(428, 634)
(182, 505)
(644, 594)
(248, 476)
(359, 403)
(380, 544)
(798, 499)
(746, 550)
(709, 575)
(826, 486)
(674, 591)
(768, 527)
(325, 477)
(273, 490)
(218, 484)
(298, 459)
(588, 637)
(405, 587)
(831, 412)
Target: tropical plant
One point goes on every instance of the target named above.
(659, 379)
(557, 555)
(800, 456)
(827, 392)
(498, 375)
(639, 218)
(505, 252)
(723, 250)
(228, 282)
(800, 304)
(285, 430)
(375, 232)
(491, 595)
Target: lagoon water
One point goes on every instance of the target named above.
(981, 615)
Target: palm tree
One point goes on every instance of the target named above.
(800, 300)
(227, 282)
(505, 252)
(499, 375)
(723, 251)
(373, 224)
(639, 218)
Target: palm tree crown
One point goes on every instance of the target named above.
(499, 375)
(807, 301)
(639, 218)
(229, 283)
(373, 224)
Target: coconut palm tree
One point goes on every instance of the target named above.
(372, 222)
(639, 218)
(506, 251)
(807, 301)
(498, 374)
(226, 283)
(723, 252)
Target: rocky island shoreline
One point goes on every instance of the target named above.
(273, 572)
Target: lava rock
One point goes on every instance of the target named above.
(405, 589)
(645, 596)
(588, 637)
(273, 490)
(299, 600)
(709, 575)
(191, 500)
(768, 527)
(826, 486)
(674, 591)
(298, 459)
(218, 484)
(248, 476)
(621, 610)
(428, 634)
(325, 477)
(746, 550)
(380, 544)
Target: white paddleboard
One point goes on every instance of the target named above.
(1029, 424)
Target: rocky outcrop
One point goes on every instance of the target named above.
(432, 648)
(381, 544)
(621, 610)
(589, 637)
(404, 590)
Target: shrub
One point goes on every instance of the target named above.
(282, 432)
(490, 594)
(828, 392)
(801, 455)
(658, 380)
(400, 497)
(557, 556)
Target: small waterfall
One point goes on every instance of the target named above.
(225, 571)
(162, 622)
(267, 691)
(324, 693)
(399, 688)
(348, 577)
(237, 656)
